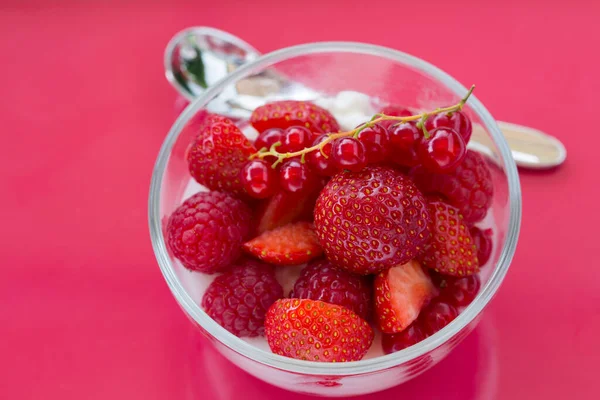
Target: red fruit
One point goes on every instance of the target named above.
(394, 111)
(320, 161)
(284, 208)
(295, 176)
(376, 141)
(458, 292)
(348, 153)
(269, 137)
(371, 220)
(400, 294)
(295, 138)
(316, 331)
(394, 342)
(206, 232)
(403, 142)
(287, 113)
(435, 316)
(259, 179)
(291, 244)
(469, 188)
(457, 121)
(451, 250)
(218, 154)
(321, 280)
(483, 243)
(442, 152)
(238, 299)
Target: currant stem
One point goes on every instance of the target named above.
(421, 118)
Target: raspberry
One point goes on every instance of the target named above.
(206, 232)
(321, 280)
(371, 220)
(238, 299)
(469, 188)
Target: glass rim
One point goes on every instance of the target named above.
(323, 368)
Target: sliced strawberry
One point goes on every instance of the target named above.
(287, 113)
(316, 331)
(284, 208)
(400, 294)
(218, 154)
(451, 249)
(292, 244)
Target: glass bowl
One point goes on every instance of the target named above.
(390, 76)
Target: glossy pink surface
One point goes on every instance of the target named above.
(84, 310)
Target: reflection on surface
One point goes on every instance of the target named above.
(468, 373)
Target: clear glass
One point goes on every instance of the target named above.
(388, 75)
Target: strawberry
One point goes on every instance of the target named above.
(451, 250)
(371, 220)
(287, 113)
(284, 208)
(400, 294)
(316, 331)
(218, 154)
(292, 244)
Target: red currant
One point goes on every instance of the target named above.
(457, 120)
(259, 179)
(399, 341)
(296, 138)
(459, 292)
(321, 164)
(348, 153)
(435, 316)
(443, 151)
(375, 139)
(295, 176)
(268, 137)
(483, 242)
(394, 111)
(403, 142)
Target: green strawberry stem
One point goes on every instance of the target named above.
(421, 118)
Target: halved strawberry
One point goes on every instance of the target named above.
(284, 208)
(292, 244)
(451, 249)
(316, 331)
(217, 155)
(286, 113)
(400, 294)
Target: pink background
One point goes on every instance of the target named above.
(84, 107)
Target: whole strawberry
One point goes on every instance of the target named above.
(451, 250)
(238, 299)
(218, 154)
(316, 331)
(321, 280)
(469, 188)
(206, 232)
(371, 220)
(286, 113)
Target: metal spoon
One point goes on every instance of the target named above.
(198, 57)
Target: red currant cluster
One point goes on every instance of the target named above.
(294, 159)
